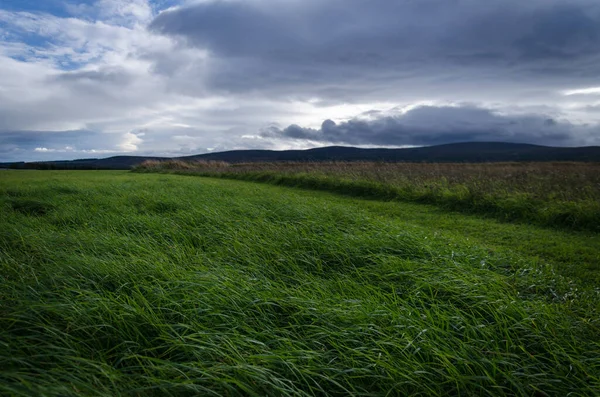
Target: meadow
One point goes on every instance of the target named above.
(563, 195)
(115, 283)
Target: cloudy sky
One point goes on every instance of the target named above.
(94, 78)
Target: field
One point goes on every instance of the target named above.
(130, 284)
(563, 195)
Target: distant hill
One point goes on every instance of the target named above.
(469, 152)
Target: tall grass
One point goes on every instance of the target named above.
(160, 285)
(550, 194)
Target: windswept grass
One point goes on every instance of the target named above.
(563, 195)
(165, 285)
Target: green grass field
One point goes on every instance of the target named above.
(561, 195)
(123, 284)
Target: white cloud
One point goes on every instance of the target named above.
(583, 91)
(116, 12)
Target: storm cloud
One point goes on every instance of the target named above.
(429, 125)
(319, 47)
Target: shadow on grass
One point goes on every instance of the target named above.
(31, 207)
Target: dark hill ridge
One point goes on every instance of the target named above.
(469, 152)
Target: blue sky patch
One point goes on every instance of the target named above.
(59, 8)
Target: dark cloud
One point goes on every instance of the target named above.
(320, 47)
(429, 125)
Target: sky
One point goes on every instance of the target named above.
(97, 78)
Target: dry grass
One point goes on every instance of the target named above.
(155, 165)
(550, 194)
(571, 182)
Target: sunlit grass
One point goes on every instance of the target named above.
(130, 284)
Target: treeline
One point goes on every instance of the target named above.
(52, 166)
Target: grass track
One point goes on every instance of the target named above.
(559, 195)
(121, 284)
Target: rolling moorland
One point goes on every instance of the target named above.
(468, 152)
(119, 283)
